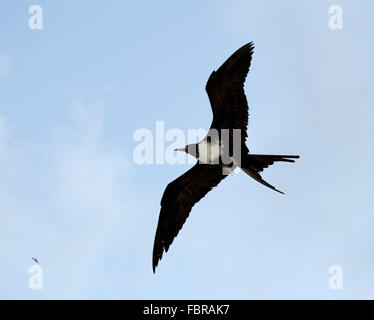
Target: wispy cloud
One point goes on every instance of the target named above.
(65, 201)
(4, 66)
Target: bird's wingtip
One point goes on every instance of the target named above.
(154, 264)
(247, 47)
(251, 44)
(275, 189)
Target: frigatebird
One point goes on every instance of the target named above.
(225, 89)
(36, 260)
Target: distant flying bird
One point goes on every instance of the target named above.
(36, 260)
(225, 88)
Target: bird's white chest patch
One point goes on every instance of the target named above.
(209, 153)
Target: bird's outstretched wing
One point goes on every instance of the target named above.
(178, 199)
(225, 88)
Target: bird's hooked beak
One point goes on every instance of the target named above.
(180, 149)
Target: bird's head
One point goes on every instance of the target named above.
(191, 149)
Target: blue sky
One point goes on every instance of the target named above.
(73, 94)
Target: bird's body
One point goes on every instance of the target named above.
(209, 152)
(221, 151)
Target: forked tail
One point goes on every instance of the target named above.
(253, 164)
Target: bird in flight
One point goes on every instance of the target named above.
(221, 151)
(36, 260)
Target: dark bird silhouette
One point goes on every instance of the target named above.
(225, 88)
(36, 260)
